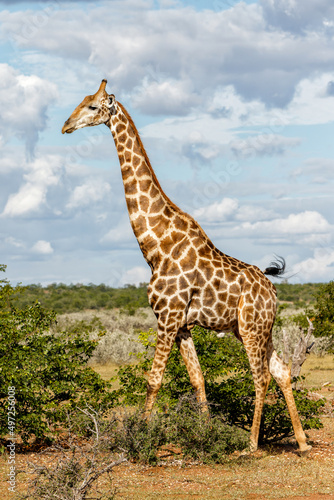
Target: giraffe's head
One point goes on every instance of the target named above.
(94, 110)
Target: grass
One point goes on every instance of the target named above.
(106, 371)
(318, 370)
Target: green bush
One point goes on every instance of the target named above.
(139, 437)
(48, 372)
(201, 438)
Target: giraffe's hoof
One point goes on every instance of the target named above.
(305, 451)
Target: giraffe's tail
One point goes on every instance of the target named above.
(276, 268)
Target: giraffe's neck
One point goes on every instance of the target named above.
(150, 210)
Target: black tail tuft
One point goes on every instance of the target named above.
(276, 268)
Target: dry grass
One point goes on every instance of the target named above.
(106, 371)
(122, 333)
(121, 337)
(269, 475)
(319, 370)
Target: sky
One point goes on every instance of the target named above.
(234, 102)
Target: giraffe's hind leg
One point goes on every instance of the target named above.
(256, 353)
(187, 349)
(281, 373)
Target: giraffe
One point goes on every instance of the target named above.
(192, 282)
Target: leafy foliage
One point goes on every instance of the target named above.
(201, 438)
(321, 314)
(301, 295)
(141, 438)
(324, 311)
(49, 373)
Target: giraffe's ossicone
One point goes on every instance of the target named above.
(193, 283)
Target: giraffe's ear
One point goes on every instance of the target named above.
(111, 103)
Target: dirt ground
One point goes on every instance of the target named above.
(271, 472)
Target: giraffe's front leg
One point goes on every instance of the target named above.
(162, 351)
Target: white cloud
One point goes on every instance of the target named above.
(320, 267)
(43, 173)
(136, 275)
(253, 213)
(171, 54)
(91, 191)
(9, 240)
(24, 101)
(120, 235)
(219, 211)
(308, 107)
(320, 170)
(167, 97)
(42, 247)
(288, 15)
(261, 226)
(229, 209)
(29, 199)
(307, 222)
(263, 145)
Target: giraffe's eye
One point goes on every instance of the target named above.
(92, 107)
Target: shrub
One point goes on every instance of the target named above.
(140, 438)
(48, 373)
(183, 426)
(201, 438)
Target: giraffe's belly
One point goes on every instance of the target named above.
(219, 317)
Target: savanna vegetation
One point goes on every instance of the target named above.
(49, 359)
(73, 298)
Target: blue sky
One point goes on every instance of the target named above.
(234, 102)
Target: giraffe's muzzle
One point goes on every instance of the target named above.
(67, 127)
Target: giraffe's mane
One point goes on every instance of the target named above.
(154, 177)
